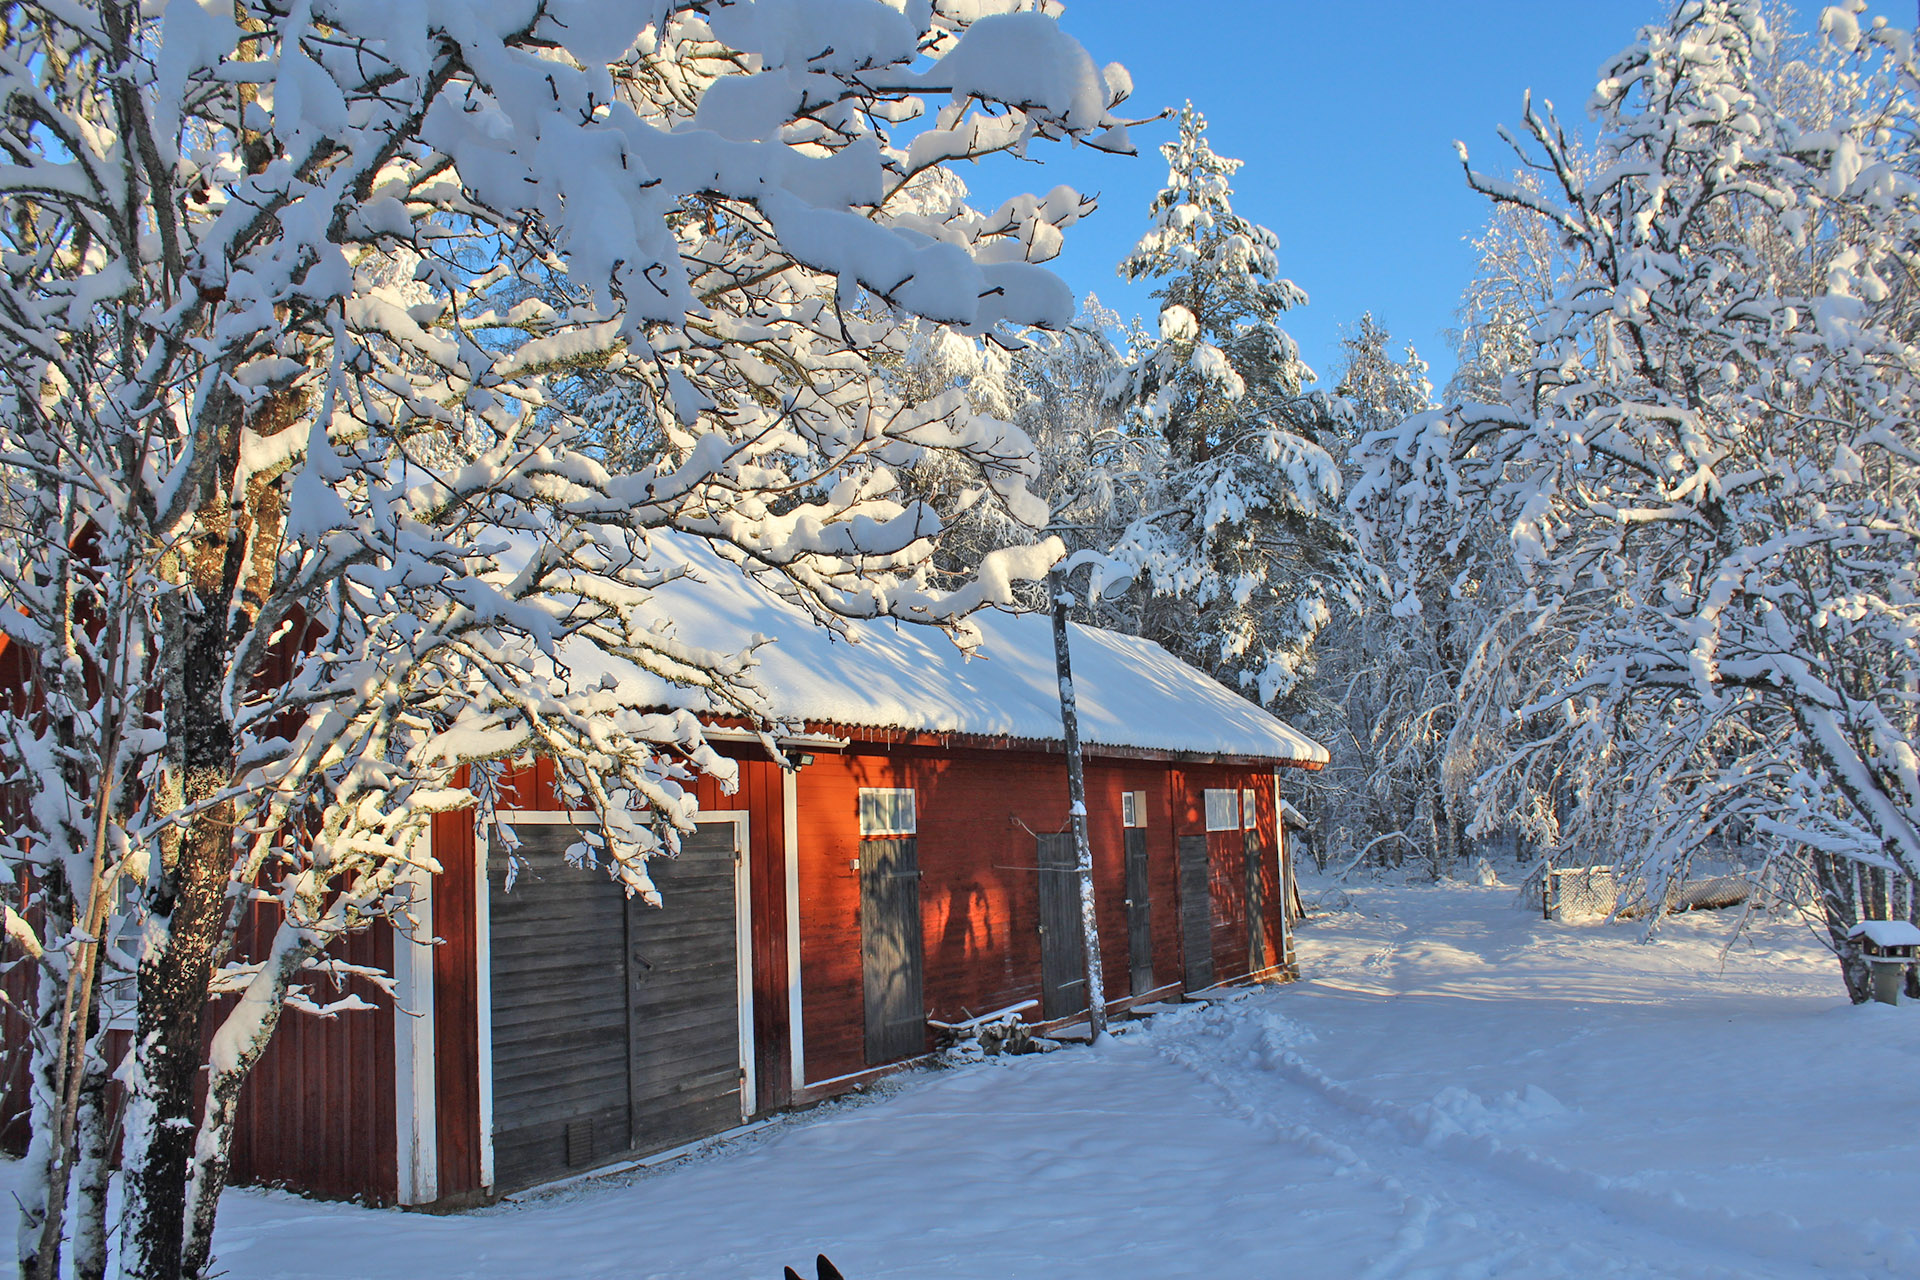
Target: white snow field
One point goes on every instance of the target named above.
(1457, 1089)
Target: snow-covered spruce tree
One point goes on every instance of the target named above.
(304, 518)
(1708, 472)
(1241, 543)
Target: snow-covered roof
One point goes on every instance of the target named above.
(1887, 933)
(1132, 694)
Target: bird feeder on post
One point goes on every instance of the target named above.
(1891, 948)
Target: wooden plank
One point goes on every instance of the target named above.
(1196, 911)
(318, 1109)
(1063, 951)
(830, 967)
(1139, 913)
(762, 795)
(558, 938)
(1257, 951)
(683, 1041)
(456, 1018)
(891, 950)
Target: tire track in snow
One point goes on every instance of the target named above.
(1424, 1137)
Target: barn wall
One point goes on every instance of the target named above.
(827, 831)
(1226, 856)
(1105, 784)
(760, 791)
(979, 888)
(317, 1112)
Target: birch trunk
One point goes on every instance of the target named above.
(93, 1170)
(1077, 808)
(243, 1036)
(38, 1241)
(176, 970)
(1838, 879)
(187, 908)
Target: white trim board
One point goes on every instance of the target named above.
(483, 997)
(416, 1110)
(790, 806)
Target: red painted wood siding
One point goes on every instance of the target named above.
(760, 791)
(979, 896)
(979, 889)
(317, 1113)
(456, 1006)
(827, 833)
(1226, 856)
(1105, 785)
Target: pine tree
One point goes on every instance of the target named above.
(1241, 540)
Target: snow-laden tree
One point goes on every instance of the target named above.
(1095, 466)
(1241, 539)
(1707, 471)
(1384, 684)
(349, 353)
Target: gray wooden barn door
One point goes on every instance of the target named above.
(559, 966)
(1196, 913)
(1139, 912)
(616, 1026)
(1257, 949)
(1063, 947)
(892, 949)
(684, 972)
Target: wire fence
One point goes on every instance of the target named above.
(1587, 893)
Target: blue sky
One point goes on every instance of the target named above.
(1346, 116)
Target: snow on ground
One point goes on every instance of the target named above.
(1457, 1089)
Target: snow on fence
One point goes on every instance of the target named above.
(1585, 893)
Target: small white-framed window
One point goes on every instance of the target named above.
(1223, 810)
(888, 811)
(1249, 808)
(1133, 808)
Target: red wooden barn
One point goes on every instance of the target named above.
(911, 866)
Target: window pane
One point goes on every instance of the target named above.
(1249, 809)
(1223, 810)
(1129, 810)
(887, 811)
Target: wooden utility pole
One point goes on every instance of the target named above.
(1077, 805)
